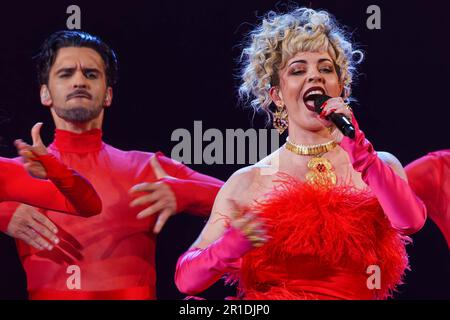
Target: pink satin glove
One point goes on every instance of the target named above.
(198, 269)
(405, 210)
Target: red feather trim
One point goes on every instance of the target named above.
(315, 230)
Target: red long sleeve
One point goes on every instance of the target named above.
(7, 210)
(82, 196)
(195, 192)
(66, 191)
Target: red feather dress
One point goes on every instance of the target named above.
(324, 242)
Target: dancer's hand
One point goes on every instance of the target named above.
(29, 153)
(31, 226)
(159, 197)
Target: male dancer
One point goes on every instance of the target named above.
(109, 256)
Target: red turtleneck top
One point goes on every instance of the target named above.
(110, 255)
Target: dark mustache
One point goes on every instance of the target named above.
(79, 92)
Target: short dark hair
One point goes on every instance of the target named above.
(69, 38)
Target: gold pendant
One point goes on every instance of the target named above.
(320, 172)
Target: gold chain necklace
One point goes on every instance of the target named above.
(321, 170)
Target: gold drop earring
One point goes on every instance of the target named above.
(280, 119)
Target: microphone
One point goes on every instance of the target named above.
(340, 120)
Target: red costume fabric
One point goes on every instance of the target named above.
(429, 177)
(322, 240)
(113, 250)
(65, 190)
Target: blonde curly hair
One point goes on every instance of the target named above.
(279, 37)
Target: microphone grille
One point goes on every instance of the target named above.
(319, 100)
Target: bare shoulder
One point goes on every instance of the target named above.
(243, 179)
(240, 181)
(393, 162)
(232, 197)
(236, 195)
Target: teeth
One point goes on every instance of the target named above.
(314, 92)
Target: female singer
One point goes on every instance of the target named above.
(323, 217)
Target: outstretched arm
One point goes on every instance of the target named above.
(429, 177)
(195, 192)
(384, 175)
(228, 235)
(67, 191)
(177, 189)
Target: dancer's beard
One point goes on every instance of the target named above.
(78, 114)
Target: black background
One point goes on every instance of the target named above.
(177, 62)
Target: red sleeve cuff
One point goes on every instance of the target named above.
(7, 210)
